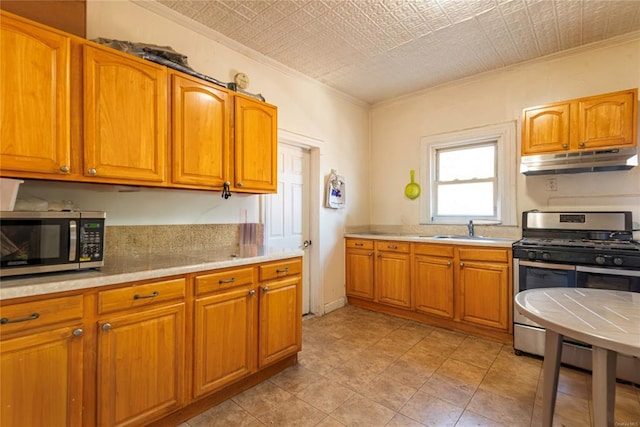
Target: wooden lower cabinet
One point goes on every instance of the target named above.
(141, 355)
(42, 370)
(433, 287)
(359, 268)
(484, 296)
(150, 351)
(225, 338)
(41, 363)
(460, 287)
(393, 278)
(280, 321)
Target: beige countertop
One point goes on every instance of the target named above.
(145, 267)
(448, 240)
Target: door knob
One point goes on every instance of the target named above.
(306, 243)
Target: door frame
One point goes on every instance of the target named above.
(316, 294)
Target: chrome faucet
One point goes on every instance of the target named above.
(470, 228)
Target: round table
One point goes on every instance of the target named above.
(608, 320)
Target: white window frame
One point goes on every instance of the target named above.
(505, 136)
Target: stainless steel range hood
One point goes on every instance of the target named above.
(578, 162)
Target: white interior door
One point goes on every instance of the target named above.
(287, 211)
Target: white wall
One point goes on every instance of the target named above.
(304, 107)
(397, 126)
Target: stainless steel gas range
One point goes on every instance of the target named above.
(576, 250)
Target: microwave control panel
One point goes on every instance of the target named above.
(91, 240)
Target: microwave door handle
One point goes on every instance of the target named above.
(73, 240)
(609, 271)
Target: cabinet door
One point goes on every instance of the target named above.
(124, 118)
(359, 269)
(41, 381)
(280, 319)
(607, 121)
(434, 285)
(484, 292)
(200, 117)
(546, 129)
(141, 366)
(256, 146)
(393, 279)
(225, 339)
(34, 99)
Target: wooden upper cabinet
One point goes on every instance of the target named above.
(34, 99)
(200, 122)
(546, 129)
(606, 121)
(125, 109)
(255, 146)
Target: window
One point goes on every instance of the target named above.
(470, 175)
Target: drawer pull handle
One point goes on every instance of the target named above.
(284, 270)
(233, 279)
(392, 247)
(34, 316)
(152, 295)
(359, 244)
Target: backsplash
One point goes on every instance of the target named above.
(135, 240)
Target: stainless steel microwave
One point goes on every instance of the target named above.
(41, 242)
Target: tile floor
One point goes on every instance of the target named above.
(360, 368)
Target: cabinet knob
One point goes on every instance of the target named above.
(265, 289)
(379, 255)
(462, 264)
(92, 171)
(64, 169)
(78, 332)
(239, 184)
(448, 263)
(565, 146)
(106, 326)
(252, 292)
(370, 253)
(582, 145)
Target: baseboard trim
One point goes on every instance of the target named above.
(334, 305)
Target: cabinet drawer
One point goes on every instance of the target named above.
(433, 250)
(223, 280)
(280, 269)
(140, 295)
(497, 255)
(29, 315)
(359, 244)
(393, 247)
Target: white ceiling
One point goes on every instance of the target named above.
(380, 49)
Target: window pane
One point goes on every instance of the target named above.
(466, 163)
(472, 199)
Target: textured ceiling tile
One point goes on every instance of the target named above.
(496, 32)
(520, 29)
(433, 14)
(456, 10)
(375, 49)
(545, 28)
(480, 6)
(569, 23)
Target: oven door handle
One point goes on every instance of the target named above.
(609, 271)
(547, 265)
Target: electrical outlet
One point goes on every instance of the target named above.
(552, 184)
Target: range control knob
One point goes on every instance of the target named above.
(546, 256)
(617, 261)
(531, 255)
(600, 260)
